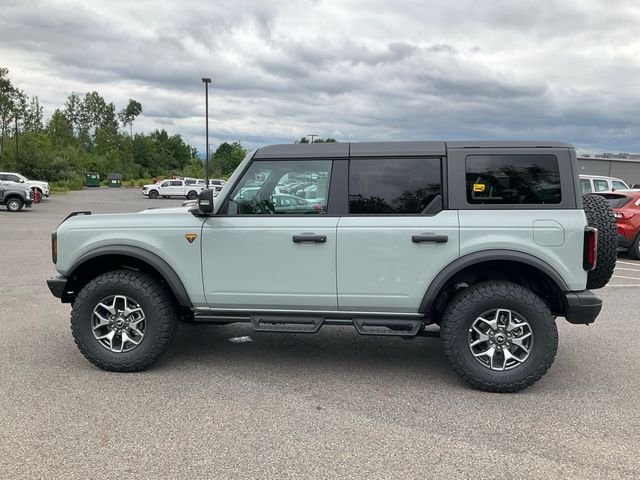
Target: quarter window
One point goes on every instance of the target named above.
(286, 187)
(401, 186)
(585, 185)
(512, 179)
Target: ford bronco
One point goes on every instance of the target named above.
(484, 244)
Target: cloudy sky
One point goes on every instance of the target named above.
(350, 69)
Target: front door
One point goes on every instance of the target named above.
(265, 250)
(396, 237)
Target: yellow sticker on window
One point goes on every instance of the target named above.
(478, 187)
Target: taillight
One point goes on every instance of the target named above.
(625, 215)
(54, 247)
(590, 254)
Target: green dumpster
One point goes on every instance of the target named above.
(92, 179)
(114, 180)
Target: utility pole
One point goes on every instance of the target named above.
(206, 82)
(312, 136)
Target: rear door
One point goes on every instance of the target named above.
(396, 236)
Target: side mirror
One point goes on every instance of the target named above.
(205, 201)
(21, 181)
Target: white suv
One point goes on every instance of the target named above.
(594, 183)
(41, 187)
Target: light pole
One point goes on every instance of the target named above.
(206, 82)
(313, 135)
(17, 151)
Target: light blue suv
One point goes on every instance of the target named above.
(481, 243)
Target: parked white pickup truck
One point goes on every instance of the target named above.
(172, 188)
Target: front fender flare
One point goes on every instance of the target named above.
(159, 264)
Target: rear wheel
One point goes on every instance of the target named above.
(192, 195)
(600, 216)
(153, 194)
(499, 336)
(124, 320)
(14, 204)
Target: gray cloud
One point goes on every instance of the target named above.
(355, 70)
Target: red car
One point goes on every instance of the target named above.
(626, 209)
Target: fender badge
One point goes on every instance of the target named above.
(190, 237)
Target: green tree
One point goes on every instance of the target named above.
(10, 98)
(226, 159)
(128, 114)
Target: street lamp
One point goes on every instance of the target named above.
(17, 151)
(206, 82)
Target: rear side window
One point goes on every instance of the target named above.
(512, 179)
(618, 202)
(401, 186)
(618, 185)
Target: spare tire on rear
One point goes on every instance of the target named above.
(600, 216)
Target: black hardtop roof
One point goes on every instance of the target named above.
(374, 149)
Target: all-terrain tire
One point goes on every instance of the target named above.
(153, 194)
(14, 204)
(600, 216)
(477, 300)
(155, 300)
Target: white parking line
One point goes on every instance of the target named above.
(628, 269)
(628, 278)
(635, 264)
(635, 286)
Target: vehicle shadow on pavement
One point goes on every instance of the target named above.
(338, 349)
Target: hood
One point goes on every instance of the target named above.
(39, 183)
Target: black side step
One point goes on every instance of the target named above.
(271, 323)
(384, 326)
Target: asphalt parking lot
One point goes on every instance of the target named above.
(330, 405)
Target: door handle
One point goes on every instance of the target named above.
(429, 237)
(309, 237)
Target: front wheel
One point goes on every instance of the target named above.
(153, 194)
(499, 336)
(14, 204)
(123, 321)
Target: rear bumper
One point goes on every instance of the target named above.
(583, 307)
(57, 285)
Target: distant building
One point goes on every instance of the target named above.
(625, 166)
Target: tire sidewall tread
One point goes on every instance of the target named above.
(479, 298)
(154, 299)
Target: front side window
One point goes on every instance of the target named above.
(401, 186)
(286, 187)
(165, 184)
(513, 179)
